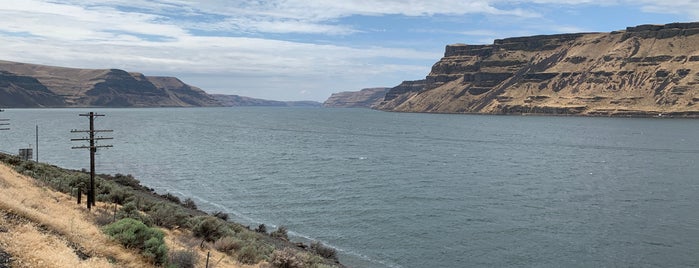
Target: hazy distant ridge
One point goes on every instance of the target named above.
(235, 100)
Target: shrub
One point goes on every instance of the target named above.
(167, 215)
(252, 254)
(155, 249)
(134, 234)
(228, 244)
(208, 227)
(170, 197)
(126, 180)
(281, 232)
(323, 250)
(287, 258)
(183, 259)
(262, 228)
(104, 217)
(189, 203)
(220, 215)
(130, 210)
(118, 196)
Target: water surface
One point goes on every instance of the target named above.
(414, 190)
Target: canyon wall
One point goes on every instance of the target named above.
(647, 70)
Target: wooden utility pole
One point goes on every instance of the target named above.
(93, 149)
(2, 124)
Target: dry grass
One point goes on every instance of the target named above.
(44, 227)
(52, 221)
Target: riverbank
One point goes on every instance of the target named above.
(47, 228)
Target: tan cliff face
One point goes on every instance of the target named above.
(642, 71)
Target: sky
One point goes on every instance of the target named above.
(294, 49)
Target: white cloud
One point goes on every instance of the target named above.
(164, 36)
(685, 7)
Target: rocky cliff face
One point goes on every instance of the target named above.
(30, 85)
(641, 71)
(365, 98)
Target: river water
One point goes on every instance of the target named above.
(413, 190)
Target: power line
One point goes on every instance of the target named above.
(93, 149)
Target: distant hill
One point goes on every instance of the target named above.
(24, 85)
(646, 70)
(365, 98)
(235, 100)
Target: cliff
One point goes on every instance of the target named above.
(365, 98)
(646, 70)
(29, 85)
(236, 101)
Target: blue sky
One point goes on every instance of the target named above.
(294, 49)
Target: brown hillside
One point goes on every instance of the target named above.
(72, 87)
(43, 228)
(642, 71)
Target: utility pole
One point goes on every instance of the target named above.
(37, 143)
(93, 149)
(2, 124)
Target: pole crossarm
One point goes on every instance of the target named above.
(90, 147)
(89, 139)
(91, 131)
(4, 124)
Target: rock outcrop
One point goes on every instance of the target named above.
(365, 98)
(30, 85)
(646, 70)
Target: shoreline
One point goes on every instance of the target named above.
(171, 213)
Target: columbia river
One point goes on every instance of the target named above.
(413, 190)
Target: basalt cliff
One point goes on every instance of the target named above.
(25, 85)
(647, 70)
(364, 98)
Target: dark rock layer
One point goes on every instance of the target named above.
(647, 70)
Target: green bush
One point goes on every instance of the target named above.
(167, 215)
(252, 254)
(208, 227)
(126, 180)
(134, 234)
(130, 210)
(155, 249)
(118, 195)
